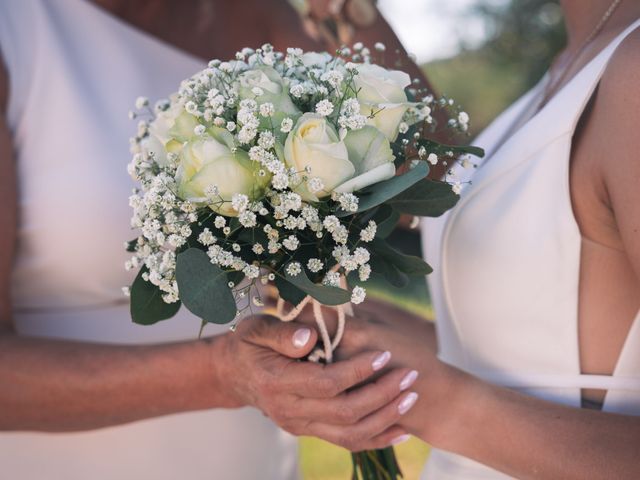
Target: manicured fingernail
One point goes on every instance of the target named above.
(400, 439)
(408, 380)
(407, 402)
(381, 360)
(301, 337)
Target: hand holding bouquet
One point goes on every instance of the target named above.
(289, 170)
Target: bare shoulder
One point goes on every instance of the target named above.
(620, 85)
(614, 139)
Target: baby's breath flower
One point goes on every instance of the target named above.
(324, 108)
(358, 295)
(432, 159)
(331, 279)
(348, 202)
(206, 238)
(296, 90)
(220, 222)
(364, 272)
(251, 271)
(257, 248)
(286, 125)
(315, 265)
(291, 243)
(315, 185)
(142, 102)
(369, 232)
(267, 109)
(239, 202)
(294, 269)
(247, 219)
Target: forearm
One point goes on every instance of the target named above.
(53, 385)
(530, 438)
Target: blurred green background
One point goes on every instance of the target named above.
(518, 41)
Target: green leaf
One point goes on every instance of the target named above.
(409, 264)
(427, 198)
(203, 287)
(381, 192)
(386, 218)
(147, 306)
(131, 245)
(324, 294)
(288, 291)
(387, 271)
(442, 148)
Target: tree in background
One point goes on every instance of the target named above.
(523, 36)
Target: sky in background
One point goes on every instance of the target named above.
(433, 29)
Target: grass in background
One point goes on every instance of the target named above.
(320, 460)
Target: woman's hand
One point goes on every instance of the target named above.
(411, 340)
(258, 364)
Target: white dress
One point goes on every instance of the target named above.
(506, 268)
(74, 73)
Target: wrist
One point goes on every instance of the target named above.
(454, 408)
(213, 387)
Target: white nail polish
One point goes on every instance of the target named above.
(408, 380)
(400, 439)
(381, 360)
(301, 337)
(407, 402)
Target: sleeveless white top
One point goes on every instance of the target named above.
(506, 265)
(74, 72)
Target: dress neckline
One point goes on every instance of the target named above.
(137, 31)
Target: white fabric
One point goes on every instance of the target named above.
(74, 73)
(506, 267)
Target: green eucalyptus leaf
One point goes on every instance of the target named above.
(379, 193)
(324, 294)
(427, 198)
(409, 264)
(288, 291)
(204, 288)
(386, 270)
(442, 148)
(386, 219)
(147, 306)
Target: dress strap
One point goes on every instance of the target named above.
(601, 382)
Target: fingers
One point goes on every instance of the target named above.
(287, 338)
(391, 437)
(350, 407)
(373, 429)
(326, 381)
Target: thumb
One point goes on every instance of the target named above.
(291, 339)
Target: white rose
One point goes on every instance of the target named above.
(371, 155)
(340, 166)
(173, 127)
(209, 162)
(274, 91)
(382, 96)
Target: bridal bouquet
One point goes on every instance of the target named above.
(288, 170)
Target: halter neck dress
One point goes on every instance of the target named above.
(74, 73)
(506, 267)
